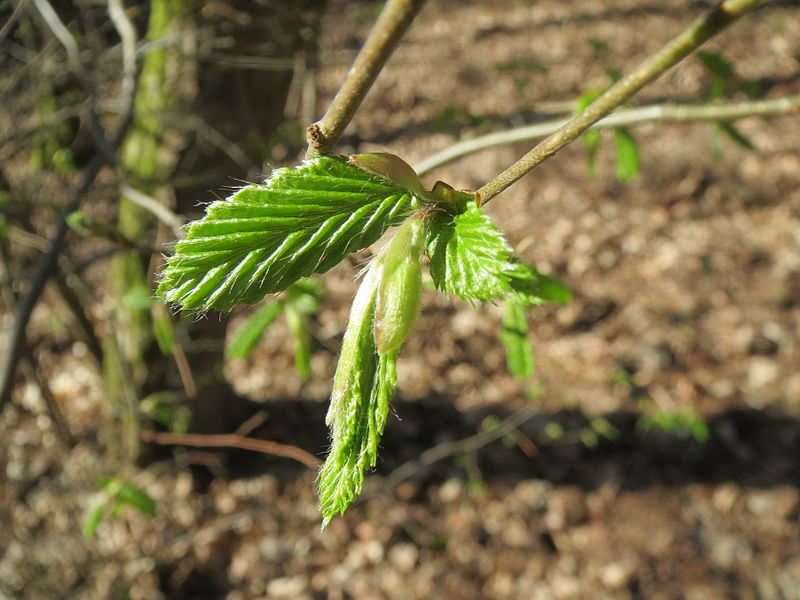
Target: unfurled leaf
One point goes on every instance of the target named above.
(737, 136)
(125, 493)
(529, 287)
(682, 423)
(468, 255)
(722, 73)
(92, 519)
(163, 330)
(306, 295)
(248, 334)
(514, 335)
(298, 326)
(362, 388)
(627, 154)
(591, 139)
(265, 237)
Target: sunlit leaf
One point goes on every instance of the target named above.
(265, 237)
(627, 154)
(247, 335)
(362, 388)
(514, 335)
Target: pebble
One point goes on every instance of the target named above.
(617, 574)
(403, 556)
(761, 372)
(778, 503)
(287, 587)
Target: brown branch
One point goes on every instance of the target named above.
(454, 448)
(232, 440)
(701, 30)
(392, 23)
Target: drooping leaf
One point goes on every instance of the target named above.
(529, 287)
(722, 73)
(163, 330)
(298, 326)
(514, 335)
(248, 334)
(737, 136)
(265, 237)
(468, 255)
(362, 388)
(591, 139)
(136, 497)
(93, 518)
(306, 295)
(627, 154)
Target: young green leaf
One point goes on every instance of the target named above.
(298, 326)
(362, 388)
(529, 287)
(468, 255)
(591, 139)
(306, 295)
(627, 154)
(248, 334)
(93, 518)
(514, 335)
(722, 73)
(737, 136)
(265, 237)
(393, 168)
(136, 497)
(400, 289)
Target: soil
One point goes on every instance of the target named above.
(687, 301)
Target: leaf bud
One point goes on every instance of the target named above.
(400, 288)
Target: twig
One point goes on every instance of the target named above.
(623, 118)
(127, 34)
(12, 19)
(59, 422)
(232, 440)
(393, 21)
(470, 444)
(678, 48)
(63, 35)
(150, 204)
(44, 268)
(82, 320)
(48, 261)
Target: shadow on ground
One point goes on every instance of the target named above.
(744, 446)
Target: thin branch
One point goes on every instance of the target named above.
(48, 261)
(676, 113)
(392, 23)
(64, 36)
(447, 449)
(674, 51)
(8, 25)
(232, 440)
(127, 34)
(150, 204)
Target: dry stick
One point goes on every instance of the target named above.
(392, 23)
(48, 261)
(681, 46)
(447, 449)
(12, 19)
(675, 113)
(232, 440)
